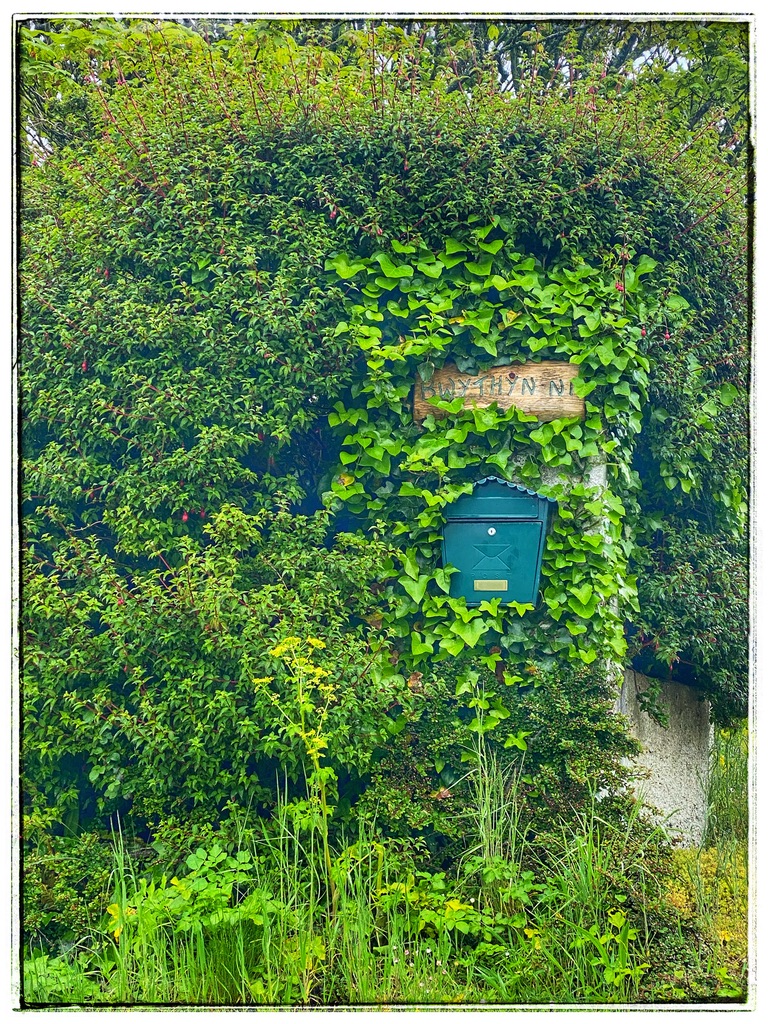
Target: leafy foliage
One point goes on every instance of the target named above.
(147, 686)
(201, 217)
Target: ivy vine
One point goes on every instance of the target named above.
(481, 303)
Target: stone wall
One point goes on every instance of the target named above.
(675, 760)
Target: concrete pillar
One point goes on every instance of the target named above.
(674, 763)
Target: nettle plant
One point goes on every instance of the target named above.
(481, 303)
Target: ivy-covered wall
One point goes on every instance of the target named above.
(235, 262)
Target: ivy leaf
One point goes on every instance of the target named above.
(584, 611)
(527, 281)
(410, 565)
(520, 608)
(419, 646)
(433, 270)
(500, 283)
(587, 656)
(450, 261)
(517, 740)
(491, 247)
(728, 394)
(489, 344)
(453, 644)
(481, 269)
(442, 578)
(485, 231)
(582, 593)
(390, 269)
(343, 267)
(415, 588)
(454, 245)
(500, 458)
(592, 320)
(574, 628)
(470, 632)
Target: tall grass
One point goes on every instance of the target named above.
(728, 787)
(277, 923)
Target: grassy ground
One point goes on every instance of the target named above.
(595, 912)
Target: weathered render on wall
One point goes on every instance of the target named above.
(675, 759)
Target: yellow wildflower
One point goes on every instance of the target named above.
(285, 645)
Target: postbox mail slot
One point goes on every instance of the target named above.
(491, 584)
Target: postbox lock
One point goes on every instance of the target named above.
(507, 566)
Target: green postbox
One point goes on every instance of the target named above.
(495, 538)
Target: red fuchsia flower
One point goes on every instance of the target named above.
(184, 517)
(202, 513)
(642, 332)
(84, 366)
(106, 273)
(667, 335)
(333, 213)
(221, 251)
(379, 231)
(619, 286)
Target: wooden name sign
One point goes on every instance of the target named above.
(544, 390)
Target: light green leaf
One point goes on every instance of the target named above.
(481, 269)
(415, 588)
(470, 632)
(419, 646)
(728, 394)
(391, 269)
(432, 270)
(343, 267)
(454, 245)
(491, 247)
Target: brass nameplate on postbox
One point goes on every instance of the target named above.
(491, 584)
